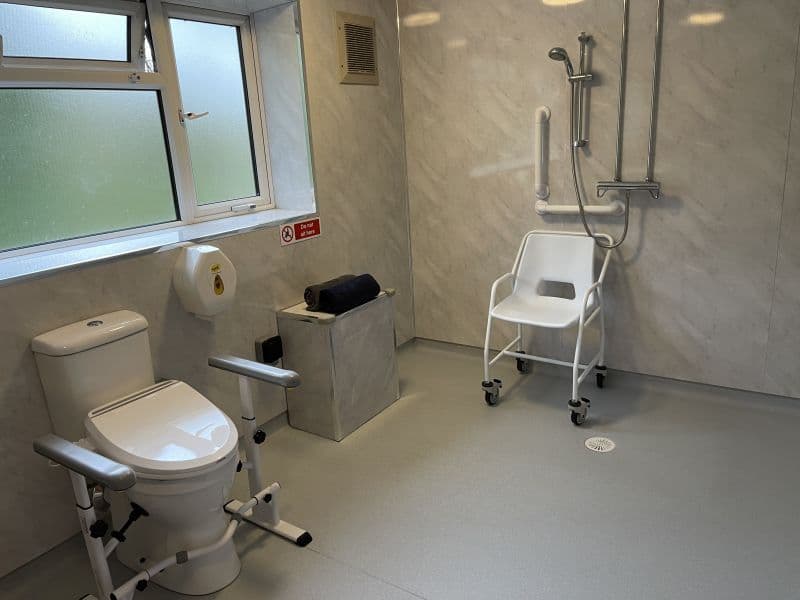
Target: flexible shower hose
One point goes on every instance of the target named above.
(578, 195)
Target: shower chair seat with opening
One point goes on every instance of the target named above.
(551, 257)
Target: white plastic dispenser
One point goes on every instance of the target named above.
(205, 280)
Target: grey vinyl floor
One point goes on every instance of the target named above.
(441, 497)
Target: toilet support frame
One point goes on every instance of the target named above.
(261, 509)
(264, 515)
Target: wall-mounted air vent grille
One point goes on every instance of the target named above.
(357, 53)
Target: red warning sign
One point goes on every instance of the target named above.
(299, 231)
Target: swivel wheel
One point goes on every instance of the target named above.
(577, 418)
(491, 391)
(523, 365)
(578, 409)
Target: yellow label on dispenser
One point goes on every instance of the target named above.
(219, 286)
(215, 268)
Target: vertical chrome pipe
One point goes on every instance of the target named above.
(623, 60)
(651, 148)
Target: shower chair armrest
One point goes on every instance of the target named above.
(597, 287)
(496, 285)
(606, 258)
(91, 465)
(587, 295)
(255, 370)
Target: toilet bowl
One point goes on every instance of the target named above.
(183, 450)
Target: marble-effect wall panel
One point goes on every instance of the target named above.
(360, 184)
(690, 291)
(782, 372)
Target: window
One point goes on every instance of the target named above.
(123, 116)
(64, 176)
(40, 32)
(109, 35)
(211, 79)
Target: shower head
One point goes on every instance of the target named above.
(561, 55)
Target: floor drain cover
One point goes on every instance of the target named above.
(600, 444)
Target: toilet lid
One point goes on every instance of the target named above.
(166, 429)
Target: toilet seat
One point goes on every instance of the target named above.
(166, 431)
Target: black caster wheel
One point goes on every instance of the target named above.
(601, 380)
(577, 418)
(523, 365)
(491, 391)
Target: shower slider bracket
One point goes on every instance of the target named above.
(653, 187)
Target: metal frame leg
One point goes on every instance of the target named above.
(576, 362)
(491, 387)
(602, 361)
(486, 376)
(578, 406)
(94, 546)
(265, 514)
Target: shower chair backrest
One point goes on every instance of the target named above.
(554, 257)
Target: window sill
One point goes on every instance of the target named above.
(47, 262)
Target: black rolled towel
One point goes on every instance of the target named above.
(311, 295)
(348, 294)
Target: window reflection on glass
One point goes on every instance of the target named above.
(39, 32)
(209, 64)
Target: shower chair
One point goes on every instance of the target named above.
(551, 257)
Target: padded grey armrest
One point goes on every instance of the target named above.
(89, 464)
(256, 370)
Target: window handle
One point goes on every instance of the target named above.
(190, 116)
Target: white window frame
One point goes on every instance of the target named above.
(134, 10)
(89, 74)
(252, 89)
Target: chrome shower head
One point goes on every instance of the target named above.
(561, 55)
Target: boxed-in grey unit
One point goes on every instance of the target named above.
(346, 362)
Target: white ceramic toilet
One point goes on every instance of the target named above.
(99, 385)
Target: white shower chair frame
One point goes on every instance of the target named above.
(578, 406)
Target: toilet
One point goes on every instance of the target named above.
(99, 386)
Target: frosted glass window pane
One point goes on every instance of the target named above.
(38, 32)
(80, 162)
(210, 76)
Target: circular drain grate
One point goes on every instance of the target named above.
(600, 444)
